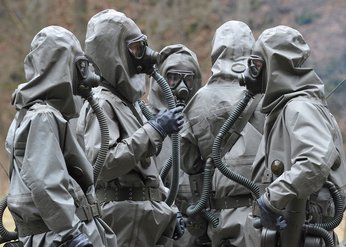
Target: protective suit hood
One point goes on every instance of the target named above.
(174, 57)
(288, 67)
(109, 33)
(49, 71)
(231, 46)
(211, 105)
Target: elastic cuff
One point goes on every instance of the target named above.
(154, 136)
(159, 130)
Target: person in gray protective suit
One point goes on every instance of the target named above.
(205, 114)
(52, 196)
(302, 146)
(129, 186)
(179, 66)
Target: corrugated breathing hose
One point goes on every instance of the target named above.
(322, 229)
(200, 206)
(217, 147)
(148, 115)
(101, 156)
(5, 235)
(174, 186)
(207, 179)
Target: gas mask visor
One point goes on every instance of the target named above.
(252, 78)
(137, 49)
(174, 77)
(255, 65)
(143, 57)
(86, 75)
(181, 83)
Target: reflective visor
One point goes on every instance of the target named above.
(255, 64)
(174, 77)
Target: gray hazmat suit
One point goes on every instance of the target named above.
(129, 184)
(175, 58)
(52, 180)
(300, 133)
(206, 113)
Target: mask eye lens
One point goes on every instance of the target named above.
(173, 79)
(188, 79)
(137, 49)
(255, 64)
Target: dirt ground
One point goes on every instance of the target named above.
(10, 226)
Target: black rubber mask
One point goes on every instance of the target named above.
(85, 76)
(181, 84)
(252, 78)
(144, 58)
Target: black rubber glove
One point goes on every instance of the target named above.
(269, 218)
(81, 240)
(168, 121)
(180, 226)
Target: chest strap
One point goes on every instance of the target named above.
(88, 212)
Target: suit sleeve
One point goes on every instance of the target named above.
(124, 153)
(191, 161)
(44, 172)
(312, 154)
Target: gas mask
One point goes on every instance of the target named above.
(143, 57)
(252, 78)
(86, 75)
(181, 83)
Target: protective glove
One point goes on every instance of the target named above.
(81, 240)
(180, 226)
(270, 218)
(168, 121)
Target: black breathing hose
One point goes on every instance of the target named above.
(212, 218)
(322, 229)
(101, 156)
(5, 235)
(168, 164)
(339, 212)
(200, 206)
(165, 169)
(319, 229)
(175, 138)
(86, 93)
(314, 230)
(207, 179)
(147, 113)
(217, 147)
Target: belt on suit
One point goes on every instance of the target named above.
(230, 202)
(84, 212)
(128, 193)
